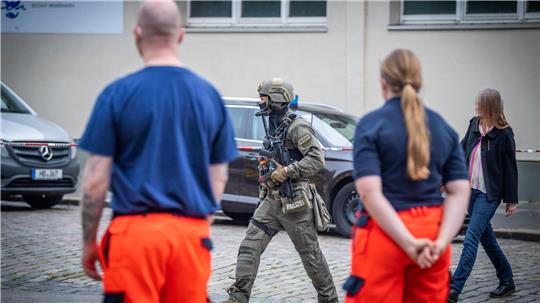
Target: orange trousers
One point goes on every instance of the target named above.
(156, 257)
(382, 272)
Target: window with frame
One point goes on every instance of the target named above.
(469, 12)
(238, 117)
(247, 13)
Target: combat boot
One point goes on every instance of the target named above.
(231, 300)
(235, 296)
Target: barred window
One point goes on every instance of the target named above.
(469, 12)
(256, 13)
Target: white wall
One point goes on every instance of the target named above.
(324, 67)
(457, 64)
(60, 75)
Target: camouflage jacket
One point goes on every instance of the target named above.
(301, 138)
(304, 147)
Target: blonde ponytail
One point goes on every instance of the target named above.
(402, 72)
(418, 150)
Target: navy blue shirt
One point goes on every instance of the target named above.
(164, 126)
(380, 149)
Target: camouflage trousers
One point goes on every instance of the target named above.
(267, 221)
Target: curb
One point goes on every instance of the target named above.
(70, 201)
(522, 235)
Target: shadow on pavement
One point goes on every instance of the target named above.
(15, 295)
(20, 205)
(12, 207)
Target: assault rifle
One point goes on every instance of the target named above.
(274, 148)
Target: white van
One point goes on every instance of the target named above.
(39, 161)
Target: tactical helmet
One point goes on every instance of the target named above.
(277, 89)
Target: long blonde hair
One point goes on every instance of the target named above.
(402, 72)
(490, 109)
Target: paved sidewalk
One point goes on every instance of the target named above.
(523, 225)
(41, 252)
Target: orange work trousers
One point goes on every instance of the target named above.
(382, 272)
(157, 257)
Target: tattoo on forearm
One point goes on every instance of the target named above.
(91, 213)
(97, 173)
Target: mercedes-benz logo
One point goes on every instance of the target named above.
(46, 152)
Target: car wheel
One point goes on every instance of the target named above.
(42, 201)
(240, 217)
(344, 208)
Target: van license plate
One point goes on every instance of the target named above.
(46, 174)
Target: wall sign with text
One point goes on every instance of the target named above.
(97, 17)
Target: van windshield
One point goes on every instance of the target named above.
(11, 104)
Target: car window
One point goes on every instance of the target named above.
(238, 117)
(345, 125)
(10, 103)
(336, 131)
(257, 128)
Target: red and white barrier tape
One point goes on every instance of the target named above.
(256, 149)
(240, 148)
(37, 144)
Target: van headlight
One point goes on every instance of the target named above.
(3, 150)
(73, 150)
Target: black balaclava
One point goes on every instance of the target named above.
(277, 115)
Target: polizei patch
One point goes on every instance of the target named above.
(295, 205)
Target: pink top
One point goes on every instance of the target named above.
(476, 175)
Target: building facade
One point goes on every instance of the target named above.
(330, 50)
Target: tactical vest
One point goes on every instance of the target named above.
(283, 130)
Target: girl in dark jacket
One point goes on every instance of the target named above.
(491, 155)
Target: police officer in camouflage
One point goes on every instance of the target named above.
(276, 212)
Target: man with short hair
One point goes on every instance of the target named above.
(161, 138)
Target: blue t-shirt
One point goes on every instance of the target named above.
(164, 126)
(380, 149)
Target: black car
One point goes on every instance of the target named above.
(334, 130)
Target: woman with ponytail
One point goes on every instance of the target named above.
(403, 152)
(490, 151)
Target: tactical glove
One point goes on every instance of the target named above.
(281, 173)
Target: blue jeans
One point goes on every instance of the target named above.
(479, 230)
